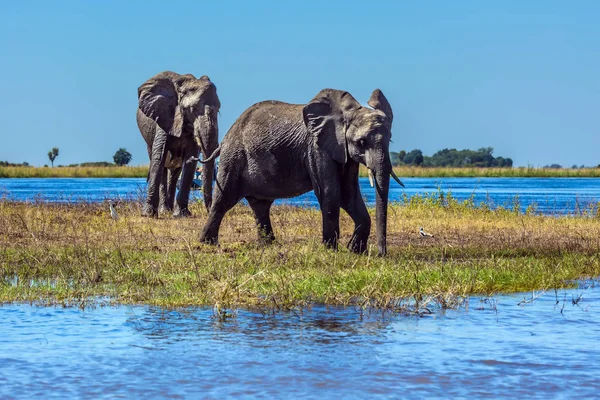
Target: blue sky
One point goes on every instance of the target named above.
(522, 77)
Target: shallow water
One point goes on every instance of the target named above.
(550, 195)
(497, 348)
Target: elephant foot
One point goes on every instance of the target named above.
(358, 246)
(266, 239)
(209, 237)
(182, 213)
(149, 211)
(331, 244)
(164, 209)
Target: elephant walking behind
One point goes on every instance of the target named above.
(280, 150)
(177, 116)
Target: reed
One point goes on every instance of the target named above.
(74, 172)
(406, 171)
(76, 254)
(522, 172)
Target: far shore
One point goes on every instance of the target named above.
(402, 171)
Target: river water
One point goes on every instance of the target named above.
(549, 195)
(497, 348)
(494, 348)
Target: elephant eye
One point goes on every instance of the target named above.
(362, 143)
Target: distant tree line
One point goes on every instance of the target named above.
(451, 158)
(7, 164)
(574, 166)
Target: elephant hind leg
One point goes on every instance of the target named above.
(261, 210)
(220, 206)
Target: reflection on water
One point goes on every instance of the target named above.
(550, 195)
(548, 347)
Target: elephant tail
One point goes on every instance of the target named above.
(212, 157)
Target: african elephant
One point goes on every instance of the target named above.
(177, 116)
(280, 150)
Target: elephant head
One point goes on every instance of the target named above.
(349, 132)
(184, 106)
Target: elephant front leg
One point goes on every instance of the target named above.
(354, 205)
(331, 225)
(183, 196)
(327, 187)
(329, 200)
(163, 193)
(155, 174)
(172, 175)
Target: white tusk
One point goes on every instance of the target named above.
(397, 179)
(371, 177)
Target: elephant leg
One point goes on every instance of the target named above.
(163, 194)
(221, 204)
(326, 179)
(171, 188)
(356, 209)
(155, 173)
(329, 200)
(331, 223)
(183, 196)
(354, 205)
(261, 210)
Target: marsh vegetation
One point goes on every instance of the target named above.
(403, 171)
(76, 254)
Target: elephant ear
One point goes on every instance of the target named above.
(327, 117)
(158, 99)
(379, 102)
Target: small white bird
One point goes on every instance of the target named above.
(113, 212)
(424, 234)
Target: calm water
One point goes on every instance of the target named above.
(551, 195)
(496, 349)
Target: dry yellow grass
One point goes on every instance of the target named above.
(74, 172)
(405, 171)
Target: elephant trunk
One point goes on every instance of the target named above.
(207, 134)
(382, 172)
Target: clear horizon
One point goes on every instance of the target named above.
(519, 77)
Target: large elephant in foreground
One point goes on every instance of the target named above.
(177, 116)
(279, 150)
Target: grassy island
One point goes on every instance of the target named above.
(74, 172)
(403, 171)
(75, 254)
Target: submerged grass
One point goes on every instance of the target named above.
(76, 254)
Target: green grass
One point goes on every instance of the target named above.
(75, 254)
(74, 172)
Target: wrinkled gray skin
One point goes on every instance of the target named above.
(278, 150)
(177, 116)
